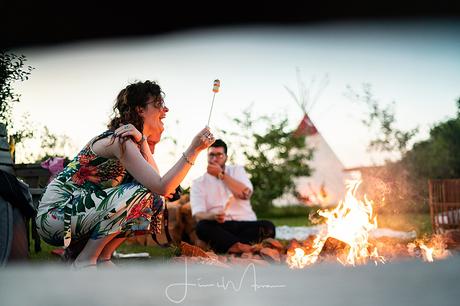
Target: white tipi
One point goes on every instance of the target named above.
(326, 185)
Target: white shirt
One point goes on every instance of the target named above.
(209, 194)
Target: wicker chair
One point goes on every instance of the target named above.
(444, 204)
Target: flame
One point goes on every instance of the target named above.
(297, 259)
(434, 248)
(350, 222)
(427, 253)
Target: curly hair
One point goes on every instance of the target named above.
(128, 100)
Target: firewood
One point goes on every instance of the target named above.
(186, 208)
(334, 247)
(268, 253)
(270, 242)
(212, 255)
(185, 198)
(192, 250)
(293, 244)
(256, 256)
(223, 258)
(257, 247)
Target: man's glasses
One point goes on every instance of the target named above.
(217, 155)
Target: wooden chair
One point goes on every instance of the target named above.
(444, 199)
(33, 175)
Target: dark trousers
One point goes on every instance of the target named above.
(221, 236)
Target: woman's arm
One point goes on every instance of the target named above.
(145, 173)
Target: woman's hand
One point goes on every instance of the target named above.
(127, 130)
(203, 140)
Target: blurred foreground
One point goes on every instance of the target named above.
(410, 282)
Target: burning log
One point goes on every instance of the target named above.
(334, 248)
(350, 222)
(429, 250)
(391, 248)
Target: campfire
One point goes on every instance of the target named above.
(346, 233)
(350, 223)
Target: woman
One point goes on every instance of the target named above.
(112, 189)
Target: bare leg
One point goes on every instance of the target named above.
(92, 250)
(110, 247)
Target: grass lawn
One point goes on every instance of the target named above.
(419, 222)
(291, 221)
(157, 252)
(154, 252)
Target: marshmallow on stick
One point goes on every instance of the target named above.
(215, 89)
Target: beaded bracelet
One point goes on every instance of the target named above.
(187, 159)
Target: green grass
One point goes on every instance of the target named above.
(419, 222)
(291, 221)
(154, 252)
(297, 216)
(44, 254)
(294, 215)
(286, 212)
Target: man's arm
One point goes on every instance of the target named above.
(239, 190)
(240, 185)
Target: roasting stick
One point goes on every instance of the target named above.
(229, 201)
(215, 89)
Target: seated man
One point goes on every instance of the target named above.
(220, 203)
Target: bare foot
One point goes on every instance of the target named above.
(86, 265)
(239, 248)
(106, 263)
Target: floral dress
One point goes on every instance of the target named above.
(96, 196)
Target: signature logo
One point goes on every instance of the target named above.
(249, 271)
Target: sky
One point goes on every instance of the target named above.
(413, 63)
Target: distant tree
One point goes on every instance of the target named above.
(437, 157)
(274, 157)
(44, 145)
(382, 120)
(19, 133)
(11, 70)
(403, 183)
